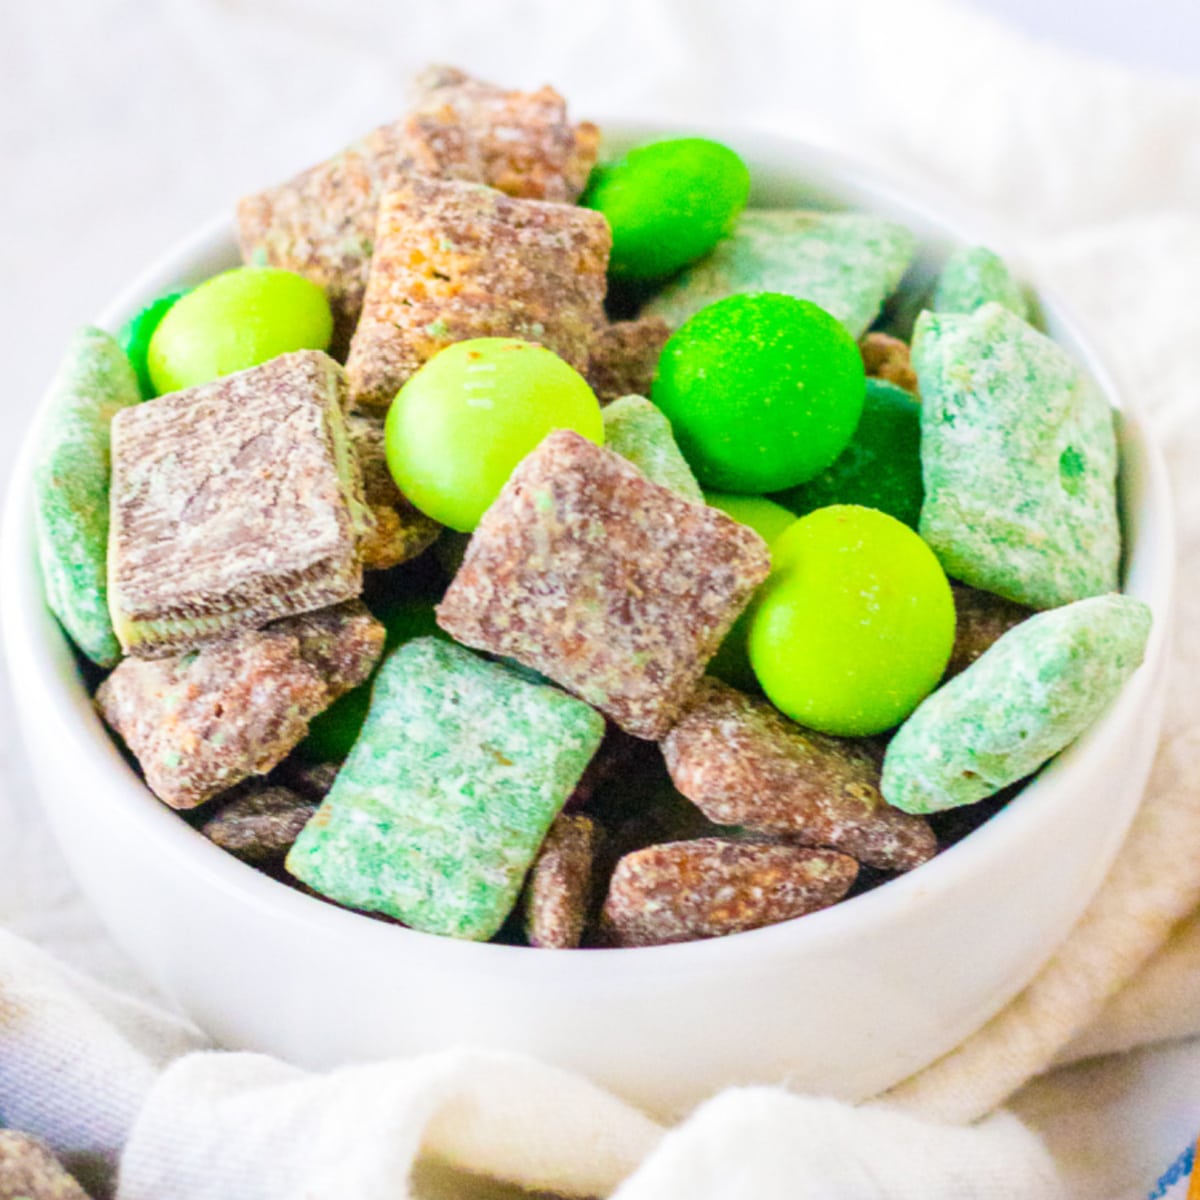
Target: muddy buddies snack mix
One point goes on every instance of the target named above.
(451, 637)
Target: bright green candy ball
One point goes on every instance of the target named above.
(332, 733)
(880, 468)
(762, 390)
(668, 204)
(461, 424)
(855, 626)
(732, 661)
(236, 320)
(134, 336)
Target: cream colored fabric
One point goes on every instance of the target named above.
(147, 122)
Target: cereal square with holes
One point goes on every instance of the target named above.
(612, 586)
(455, 261)
(233, 503)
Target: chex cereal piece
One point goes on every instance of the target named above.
(71, 478)
(312, 780)
(888, 358)
(558, 893)
(637, 431)
(455, 261)
(1019, 457)
(401, 531)
(29, 1171)
(321, 224)
(972, 277)
(439, 811)
(684, 891)
(518, 142)
(623, 357)
(258, 822)
(610, 585)
(848, 263)
(1032, 694)
(199, 723)
(233, 503)
(741, 762)
(981, 619)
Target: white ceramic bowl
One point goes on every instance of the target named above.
(844, 1002)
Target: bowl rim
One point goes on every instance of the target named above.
(36, 647)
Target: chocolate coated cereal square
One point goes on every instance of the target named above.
(457, 260)
(233, 503)
(612, 586)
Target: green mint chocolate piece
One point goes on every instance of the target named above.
(1019, 457)
(972, 277)
(1025, 699)
(639, 432)
(448, 793)
(71, 483)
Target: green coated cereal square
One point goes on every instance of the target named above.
(449, 792)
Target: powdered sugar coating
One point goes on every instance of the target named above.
(710, 887)
(610, 585)
(455, 261)
(741, 762)
(623, 357)
(233, 503)
(259, 822)
(29, 1171)
(981, 620)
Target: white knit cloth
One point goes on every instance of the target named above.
(132, 122)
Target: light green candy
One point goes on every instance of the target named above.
(1019, 457)
(71, 480)
(847, 263)
(443, 803)
(1028, 697)
(972, 277)
(639, 432)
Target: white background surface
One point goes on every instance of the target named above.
(125, 123)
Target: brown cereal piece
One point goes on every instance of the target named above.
(741, 762)
(981, 619)
(259, 822)
(886, 357)
(558, 893)
(201, 722)
(308, 779)
(233, 503)
(29, 1171)
(518, 142)
(624, 357)
(401, 530)
(343, 643)
(615, 588)
(685, 891)
(455, 261)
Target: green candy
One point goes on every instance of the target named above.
(668, 204)
(637, 431)
(846, 263)
(236, 320)
(972, 277)
(763, 391)
(770, 521)
(1025, 699)
(71, 481)
(1020, 460)
(134, 336)
(439, 812)
(880, 468)
(332, 733)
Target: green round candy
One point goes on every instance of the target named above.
(668, 204)
(134, 336)
(461, 424)
(880, 468)
(856, 624)
(237, 320)
(762, 390)
(332, 733)
(769, 520)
